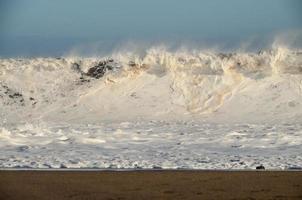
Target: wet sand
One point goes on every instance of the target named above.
(170, 184)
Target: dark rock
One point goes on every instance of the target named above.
(62, 166)
(260, 167)
(34, 102)
(100, 69)
(96, 71)
(17, 94)
(109, 67)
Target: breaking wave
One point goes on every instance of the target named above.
(154, 85)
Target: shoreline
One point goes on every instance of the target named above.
(146, 170)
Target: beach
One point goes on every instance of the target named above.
(153, 184)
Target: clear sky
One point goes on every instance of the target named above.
(52, 27)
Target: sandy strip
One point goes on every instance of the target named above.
(166, 184)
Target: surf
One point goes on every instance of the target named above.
(156, 84)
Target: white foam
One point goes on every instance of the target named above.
(188, 109)
(155, 144)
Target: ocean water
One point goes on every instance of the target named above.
(192, 108)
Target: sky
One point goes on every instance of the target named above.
(54, 27)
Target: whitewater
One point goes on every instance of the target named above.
(195, 109)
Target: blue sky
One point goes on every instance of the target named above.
(52, 27)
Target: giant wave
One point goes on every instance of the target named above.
(159, 84)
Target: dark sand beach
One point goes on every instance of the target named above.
(166, 184)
